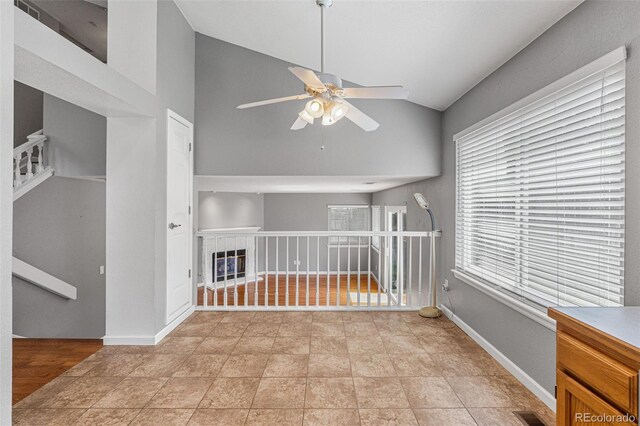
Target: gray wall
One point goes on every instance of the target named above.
(304, 212)
(229, 210)
(27, 110)
(59, 227)
(77, 138)
(175, 86)
(590, 31)
(176, 60)
(258, 141)
(308, 212)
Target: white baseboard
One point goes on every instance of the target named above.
(173, 324)
(129, 340)
(509, 365)
(148, 340)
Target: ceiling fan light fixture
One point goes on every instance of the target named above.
(314, 108)
(324, 95)
(338, 111)
(306, 116)
(327, 120)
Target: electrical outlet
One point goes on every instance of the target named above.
(296, 263)
(101, 269)
(445, 285)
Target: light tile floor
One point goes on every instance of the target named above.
(289, 368)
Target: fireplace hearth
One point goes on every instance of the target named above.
(228, 265)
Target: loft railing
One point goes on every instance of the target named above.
(314, 270)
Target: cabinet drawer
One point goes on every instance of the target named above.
(577, 405)
(611, 379)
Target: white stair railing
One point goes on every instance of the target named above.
(29, 168)
(45, 281)
(314, 270)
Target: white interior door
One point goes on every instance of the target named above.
(179, 227)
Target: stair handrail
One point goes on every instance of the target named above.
(30, 143)
(45, 281)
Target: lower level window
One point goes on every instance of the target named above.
(348, 219)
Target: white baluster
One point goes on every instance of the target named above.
(40, 157)
(29, 163)
(17, 181)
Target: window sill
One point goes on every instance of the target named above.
(537, 315)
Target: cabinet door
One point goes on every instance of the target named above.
(577, 405)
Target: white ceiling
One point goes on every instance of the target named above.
(300, 184)
(436, 49)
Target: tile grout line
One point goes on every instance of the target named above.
(422, 340)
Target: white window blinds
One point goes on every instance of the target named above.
(540, 196)
(349, 219)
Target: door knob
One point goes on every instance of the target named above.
(173, 225)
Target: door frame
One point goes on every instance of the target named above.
(172, 115)
(402, 210)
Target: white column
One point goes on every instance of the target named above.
(6, 204)
(131, 231)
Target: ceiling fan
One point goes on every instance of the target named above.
(327, 97)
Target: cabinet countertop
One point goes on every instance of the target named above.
(622, 323)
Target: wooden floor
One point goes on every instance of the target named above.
(337, 290)
(38, 361)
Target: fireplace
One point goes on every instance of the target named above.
(228, 265)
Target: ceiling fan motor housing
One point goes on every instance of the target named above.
(331, 82)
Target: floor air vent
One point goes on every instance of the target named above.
(529, 418)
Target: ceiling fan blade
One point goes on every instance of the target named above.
(308, 77)
(361, 119)
(299, 124)
(379, 92)
(274, 101)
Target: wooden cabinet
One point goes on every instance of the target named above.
(597, 364)
(577, 405)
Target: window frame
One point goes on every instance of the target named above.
(375, 241)
(524, 305)
(332, 240)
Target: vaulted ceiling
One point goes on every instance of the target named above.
(436, 49)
